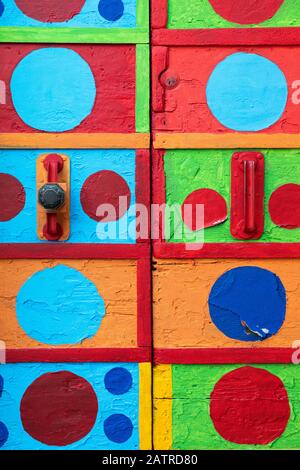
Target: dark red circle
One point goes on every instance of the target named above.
(105, 187)
(246, 11)
(249, 406)
(50, 11)
(12, 197)
(59, 408)
(215, 209)
(284, 206)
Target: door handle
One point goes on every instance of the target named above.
(247, 195)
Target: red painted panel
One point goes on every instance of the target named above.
(185, 106)
(113, 67)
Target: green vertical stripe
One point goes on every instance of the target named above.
(142, 106)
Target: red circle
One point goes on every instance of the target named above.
(284, 206)
(12, 197)
(250, 406)
(59, 408)
(246, 11)
(50, 11)
(215, 209)
(105, 187)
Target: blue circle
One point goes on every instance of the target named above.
(1, 8)
(248, 303)
(3, 434)
(59, 306)
(118, 381)
(111, 10)
(118, 428)
(247, 92)
(53, 89)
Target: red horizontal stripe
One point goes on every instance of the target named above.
(73, 250)
(228, 250)
(226, 37)
(224, 356)
(79, 355)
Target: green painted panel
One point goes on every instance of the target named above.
(192, 427)
(188, 170)
(200, 14)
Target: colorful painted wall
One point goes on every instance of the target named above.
(85, 328)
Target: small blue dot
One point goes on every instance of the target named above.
(111, 10)
(1, 8)
(118, 381)
(3, 434)
(118, 428)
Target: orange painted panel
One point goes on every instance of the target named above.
(114, 280)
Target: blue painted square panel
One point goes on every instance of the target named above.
(87, 406)
(96, 177)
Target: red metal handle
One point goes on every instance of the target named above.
(249, 193)
(53, 163)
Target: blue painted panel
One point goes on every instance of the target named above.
(89, 17)
(18, 377)
(22, 165)
(248, 303)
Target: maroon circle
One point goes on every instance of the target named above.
(12, 197)
(250, 406)
(284, 206)
(50, 11)
(59, 408)
(215, 209)
(246, 11)
(105, 187)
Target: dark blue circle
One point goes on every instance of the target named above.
(3, 434)
(118, 381)
(248, 303)
(111, 10)
(118, 428)
(1, 8)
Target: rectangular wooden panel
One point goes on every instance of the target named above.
(42, 88)
(82, 21)
(83, 401)
(187, 178)
(213, 90)
(97, 177)
(75, 305)
(239, 309)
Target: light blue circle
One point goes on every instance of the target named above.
(59, 306)
(53, 89)
(247, 92)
